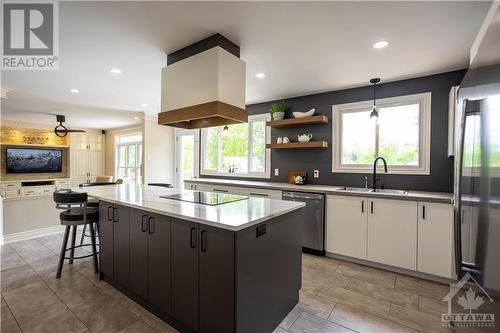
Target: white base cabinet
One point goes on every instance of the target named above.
(435, 239)
(347, 225)
(392, 233)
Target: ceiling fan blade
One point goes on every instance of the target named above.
(76, 131)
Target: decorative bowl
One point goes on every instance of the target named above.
(304, 114)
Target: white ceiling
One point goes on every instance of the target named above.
(301, 47)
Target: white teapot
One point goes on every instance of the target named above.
(304, 137)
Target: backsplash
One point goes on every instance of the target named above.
(441, 177)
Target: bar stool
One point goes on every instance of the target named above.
(76, 213)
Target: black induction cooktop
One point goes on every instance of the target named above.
(205, 198)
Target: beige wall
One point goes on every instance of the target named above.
(159, 153)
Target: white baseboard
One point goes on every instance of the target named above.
(25, 235)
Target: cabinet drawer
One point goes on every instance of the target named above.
(9, 185)
(260, 193)
(10, 193)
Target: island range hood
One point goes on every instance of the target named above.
(203, 85)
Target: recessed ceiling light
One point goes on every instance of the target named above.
(260, 75)
(115, 70)
(380, 44)
(74, 90)
(144, 105)
(136, 118)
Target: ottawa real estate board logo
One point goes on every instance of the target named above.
(30, 35)
(472, 305)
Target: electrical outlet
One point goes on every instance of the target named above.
(276, 172)
(316, 174)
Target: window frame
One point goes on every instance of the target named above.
(139, 148)
(423, 99)
(250, 174)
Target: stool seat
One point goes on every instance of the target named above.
(76, 215)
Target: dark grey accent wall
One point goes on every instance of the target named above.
(441, 177)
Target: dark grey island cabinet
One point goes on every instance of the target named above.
(203, 278)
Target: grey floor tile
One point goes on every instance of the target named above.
(313, 279)
(432, 306)
(31, 250)
(139, 327)
(7, 322)
(29, 298)
(10, 259)
(364, 322)
(290, 318)
(383, 292)
(103, 314)
(370, 274)
(311, 324)
(415, 319)
(17, 277)
(354, 299)
(46, 268)
(56, 318)
(320, 263)
(315, 305)
(422, 287)
(74, 290)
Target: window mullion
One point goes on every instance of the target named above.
(377, 137)
(219, 149)
(250, 148)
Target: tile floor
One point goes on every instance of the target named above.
(336, 296)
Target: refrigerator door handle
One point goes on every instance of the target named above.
(457, 190)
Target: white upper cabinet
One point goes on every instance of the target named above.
(392, 232)
(86, 157)
(435, 239)
(346, 225)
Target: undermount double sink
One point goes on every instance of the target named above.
(369, 190)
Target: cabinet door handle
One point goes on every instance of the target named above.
(151, 227)
(110, 218)
(193, 238)
(371, 207)
(115, 216)
(259, 194)
(143, 223)
(423, 212)
(203, 246)
(217, 190)
(362, 206)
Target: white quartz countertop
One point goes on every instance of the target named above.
(233, 216)
(439, 197)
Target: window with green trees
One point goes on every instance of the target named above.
(238, 149)
(400, 134)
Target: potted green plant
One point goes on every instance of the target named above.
(278, 110)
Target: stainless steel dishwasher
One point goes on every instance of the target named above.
(313, 237)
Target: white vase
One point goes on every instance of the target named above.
(278, 115)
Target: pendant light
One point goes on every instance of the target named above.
(374, 112)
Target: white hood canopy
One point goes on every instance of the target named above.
(203, 85)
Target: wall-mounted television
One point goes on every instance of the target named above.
(33, 160)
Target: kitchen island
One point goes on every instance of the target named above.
(202, 266)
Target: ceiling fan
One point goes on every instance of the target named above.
(61, 130)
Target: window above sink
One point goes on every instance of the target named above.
(400, 134)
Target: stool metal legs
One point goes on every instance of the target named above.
(63, 251)
(73, 241)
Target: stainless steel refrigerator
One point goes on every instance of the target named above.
(477, 161)
(477, 185)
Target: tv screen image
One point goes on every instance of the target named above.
(33, 160)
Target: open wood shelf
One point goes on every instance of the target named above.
(319, 119)
(37, 145)
(310, 144)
